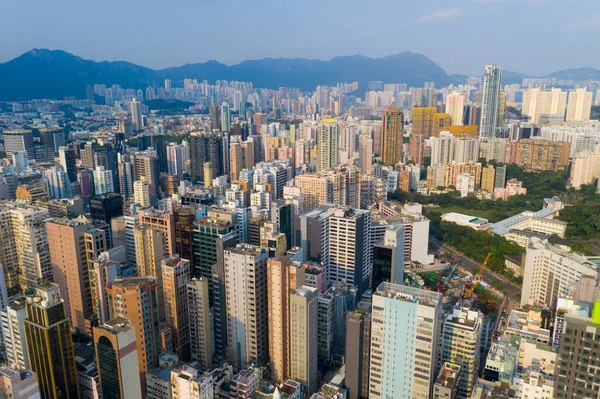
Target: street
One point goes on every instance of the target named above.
(510, 289)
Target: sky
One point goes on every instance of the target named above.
(535, 37)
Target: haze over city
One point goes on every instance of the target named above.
(534, 37)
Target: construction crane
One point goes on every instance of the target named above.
(483, 266)
(468, 291)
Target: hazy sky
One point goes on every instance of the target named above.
(529, 36)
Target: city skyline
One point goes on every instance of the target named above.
(181, 43)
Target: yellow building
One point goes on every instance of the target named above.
(422, 120)
(440, 122)
(459, 131)
(542, 154)
(487, 178)
(393, 121)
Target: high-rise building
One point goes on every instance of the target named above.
(207, 147)
(548, 271)
(584, 169)
(303, 338)
(125, 172)
(365, 154)
(246, 304)
(282, 278)
(393, 125)
(455, 107)
(50, 344)
(141, 193)
(117, 359)
(199, 321)
(388, 257)
(146, 166)
(103, 181)
(357, 353)
(134, 298)
(578, 358)
(59, 185)
(68, 160)
(150, 251)
(19, 140)
(168, 85)
(176, 273)
(15, 342)
(490, 102)
(328, 137)
(225, 118)
(488, 177)
(537, 103)
(137, 118)
(415, 148)
(350, 252)
(579, 106)
(189, 383)
(66, 241)
(175, 161)
(398, 313)
(51, 138)
(422, 121)
(465, 184)
(461, 345)
(25, 257)
(539, 154)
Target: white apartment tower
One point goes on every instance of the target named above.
(137, 119)
(490, 103)
(579, 106)
(246, 304)
(455, 106)
(328, 137)
(405, 340)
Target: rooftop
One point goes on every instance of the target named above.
(408, 294)
(448, 376)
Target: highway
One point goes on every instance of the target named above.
(510, 289)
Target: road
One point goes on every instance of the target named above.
(510, 289)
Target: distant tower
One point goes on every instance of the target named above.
(168, 85)
(137, 119)
(225, 117)
(393, 120)
(490, 107)
(328, 144)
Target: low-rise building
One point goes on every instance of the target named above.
(466, 220)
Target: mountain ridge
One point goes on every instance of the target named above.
(44, 73)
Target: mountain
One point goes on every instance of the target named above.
(42, 73)
(577, 74)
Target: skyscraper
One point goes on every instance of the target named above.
(137, 118)
(117, 359)
(134, 298)
(176, 273)
(50, 344)
(199, 314)
(578, 358)
(66, 240)
(357, 353)
(150, 251)
(206, 147)
(303, 337)
(103, 181)
(579, 106)
(455, 107)
(393, 124)
(403, 362)
(328, 137)
(461, 345)
(365, 153)
(246, 299)
(282, 278)
(225, 118)
(490, 102)
(19, 140)
(537, 103)
(422, 121)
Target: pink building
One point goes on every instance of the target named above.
(315, 276)
(513, 187)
